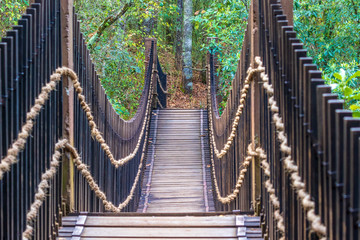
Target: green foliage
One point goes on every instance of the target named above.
(226, 20)
(10, 12)
(118, 56)
(329, 30)
(348, 88)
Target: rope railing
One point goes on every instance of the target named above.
(250, 75)
(289, 165)
(271, 190)
(64, 144)
(161, 86)
(260, 153)
(19, 144)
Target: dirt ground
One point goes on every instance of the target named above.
(176, 97)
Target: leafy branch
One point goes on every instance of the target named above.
(110, 20)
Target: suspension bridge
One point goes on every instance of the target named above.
(280, 162)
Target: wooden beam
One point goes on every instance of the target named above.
(148, 42)
(255, 104)
(288, 8)
(67, 51)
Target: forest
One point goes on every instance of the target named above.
(115, 31)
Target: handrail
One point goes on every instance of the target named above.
(91, 128)
(310, 141)
(63, 144)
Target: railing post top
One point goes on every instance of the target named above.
(150, 40)
(288, 7)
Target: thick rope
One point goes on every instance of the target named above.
(160, 85)
(271, 190)
(40, 195)
(232, 196)
(83, 169)
(19, 144)
(251, 72)
(289, 164)
(268, 185)
(158, 101)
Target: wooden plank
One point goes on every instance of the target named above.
(176, 183)
(159, 232)
(188, 221)
(187, 238)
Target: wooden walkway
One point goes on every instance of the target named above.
(144, 226)
(177, 177)
(176, 200)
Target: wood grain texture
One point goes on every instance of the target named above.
(143, 226)
(176, 175)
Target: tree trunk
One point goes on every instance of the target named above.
(110, 20)
(178, 36)
(150, 23)
(187, 40)
(149, 26)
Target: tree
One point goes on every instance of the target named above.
(178, 40)
(110, 20)
(187, 45)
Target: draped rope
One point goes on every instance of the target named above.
(158, 101)
(251, 72)
(268, 185)
(271, 190)
(232, 196)
(19, 144)
(219, 154)
(160, 85)
(289, 164)
(40, 196)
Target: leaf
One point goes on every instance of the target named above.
(354, 107)
(348, 91)
(356, 97)
(338, 76)
(356, 114)
(357, 74)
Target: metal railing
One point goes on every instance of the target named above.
(324, 138)
(29, 54)
(161, 87)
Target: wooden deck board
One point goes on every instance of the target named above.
(175, 204)
(187, 221)
(159, 232)
(176, 182)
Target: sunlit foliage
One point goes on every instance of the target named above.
(227, 21)
(10, 12)
(330, 31)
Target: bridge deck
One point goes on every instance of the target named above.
(144, 226)
(176, 192)
(177, 177)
